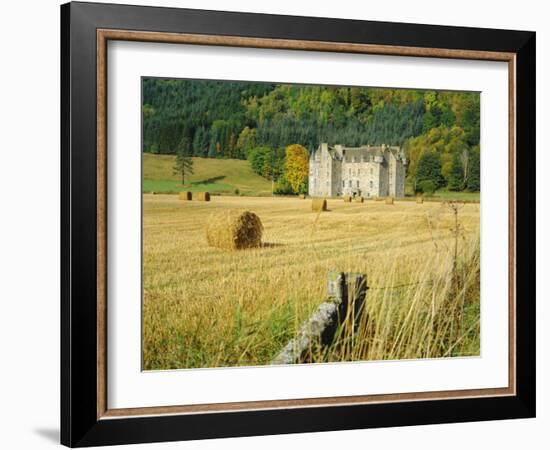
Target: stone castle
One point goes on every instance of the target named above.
(365, 171)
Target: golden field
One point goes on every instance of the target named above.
(206, 307)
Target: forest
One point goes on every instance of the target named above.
(261, 122)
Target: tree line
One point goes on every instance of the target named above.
(439, 130)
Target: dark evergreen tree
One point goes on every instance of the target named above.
(456, 179)
(201, 142)
(429, 169)
(184, 163)
(473, 178)
(213, 149)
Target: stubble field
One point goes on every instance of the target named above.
(206, 307)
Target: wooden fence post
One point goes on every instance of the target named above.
(345, 302)
(357, 283)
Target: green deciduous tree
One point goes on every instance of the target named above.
(446, 142)
(282, 186)
(246, 141)
(426, 187)
(258, 157)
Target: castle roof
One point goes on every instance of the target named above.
(363, 151)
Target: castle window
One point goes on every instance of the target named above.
(370, 184)
(349, 183)
(343, 184)
(357, 183)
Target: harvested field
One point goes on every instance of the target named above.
(207, 307)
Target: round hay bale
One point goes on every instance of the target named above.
(185, 195)
(302, 196)
(347, 198)
(419, 199)
(318, 204)
(389, 200)
(201, 196)
(153, 193)
(234, 230)
(359, 199)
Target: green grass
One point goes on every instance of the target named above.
(460, 196)
(445, 195)
(442, 196)
(221, 176)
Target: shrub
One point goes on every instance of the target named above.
(426, 186)
(283, 187)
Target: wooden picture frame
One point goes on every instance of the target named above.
(85, 416)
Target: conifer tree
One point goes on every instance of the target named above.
(474, 182)
(456, 179)
(184, 163)
(429, 169)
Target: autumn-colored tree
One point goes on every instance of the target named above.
(297, 167)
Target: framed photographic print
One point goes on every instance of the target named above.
(276, 224)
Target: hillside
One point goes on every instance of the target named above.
(212, 175)
(236, 120)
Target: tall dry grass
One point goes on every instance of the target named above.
(413, 310)
(204, 307)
